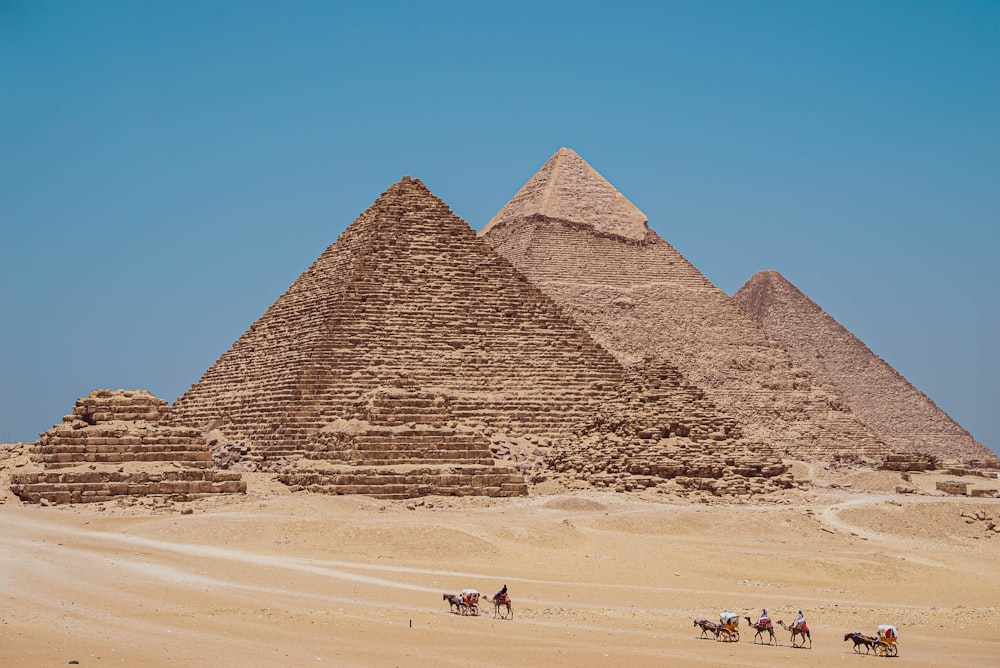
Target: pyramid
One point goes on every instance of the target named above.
(118, 444)
(393, 364)
(640, 298)
(407, 315)
(567, 188)
(901, 415)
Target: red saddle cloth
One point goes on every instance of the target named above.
(502, 598)
(804, 628)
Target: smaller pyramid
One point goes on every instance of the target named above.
(568, 188)
(117, 444)
(901, 415)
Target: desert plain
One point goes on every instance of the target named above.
(597, 578)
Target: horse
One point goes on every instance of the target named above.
(859, 640)
(501, 602)
(706, 627)
(760, 629)
(804, 632)
(454, 602)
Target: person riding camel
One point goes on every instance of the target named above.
(764, 621)
(800, 622)
(501, 596)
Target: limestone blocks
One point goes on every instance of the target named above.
(84, 458)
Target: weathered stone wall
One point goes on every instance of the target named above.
(63, 486)
(905, 418)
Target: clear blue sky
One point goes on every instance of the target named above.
(168, 169)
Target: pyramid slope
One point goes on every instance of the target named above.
(905, 418)
(568, 188)
(408, 292)
(643, 299)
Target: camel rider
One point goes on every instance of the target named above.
(764, 620)
(501, 596)
(800, 622)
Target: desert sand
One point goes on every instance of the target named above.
(272, 578)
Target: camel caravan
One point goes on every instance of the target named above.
(883, 643)
(727, 629)
(466, 603)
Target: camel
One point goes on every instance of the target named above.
(859, 640)
(706, 627)
(501, 602)
(767, 627)
(804, 632)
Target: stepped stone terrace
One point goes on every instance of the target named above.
(117, 444)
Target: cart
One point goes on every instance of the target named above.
(888, 638)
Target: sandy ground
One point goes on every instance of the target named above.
(597, 579)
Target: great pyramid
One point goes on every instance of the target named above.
(392, 362)
(900, 414)
(591, 250)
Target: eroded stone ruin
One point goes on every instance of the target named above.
(900, 414)
(117, 444)
(587, 247)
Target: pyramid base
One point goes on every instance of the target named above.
(407, 482)
(59, 487)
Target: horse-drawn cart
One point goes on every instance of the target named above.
(888, 637)
(470, 601)
(729, 631)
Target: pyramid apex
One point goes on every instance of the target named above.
(568, 188)
(409, 180)
(757, 294)
(769, 279)
(768, 275)
(406, 188)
